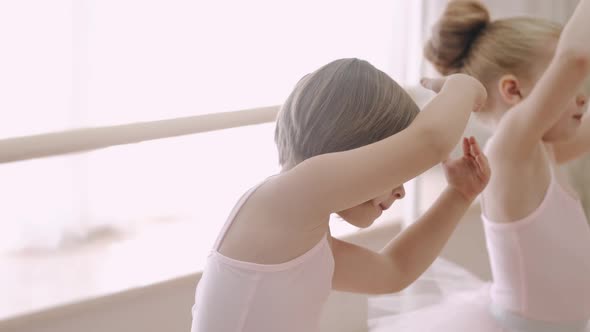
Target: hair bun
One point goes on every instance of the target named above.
(454, 33)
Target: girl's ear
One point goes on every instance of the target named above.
(509, 89)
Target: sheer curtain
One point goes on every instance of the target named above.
(76, 63)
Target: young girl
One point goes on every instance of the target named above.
(348, 138)
(537, 235)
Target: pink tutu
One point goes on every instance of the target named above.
(446, 298)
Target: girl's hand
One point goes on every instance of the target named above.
(433, 84)
(465, 82)
(469, 174)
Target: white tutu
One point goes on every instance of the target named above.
(446, 298)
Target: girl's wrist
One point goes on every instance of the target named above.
(460, 195)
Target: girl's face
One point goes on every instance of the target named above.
(570, 120)
(365, 214)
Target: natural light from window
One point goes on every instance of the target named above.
(69, 64)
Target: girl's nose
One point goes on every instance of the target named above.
(581, 100)
(399, 192)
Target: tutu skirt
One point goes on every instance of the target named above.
(448, 298)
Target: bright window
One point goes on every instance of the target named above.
(70, 64)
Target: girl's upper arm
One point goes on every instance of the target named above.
(361, 270)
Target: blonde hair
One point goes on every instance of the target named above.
(345, 104)
(466, 40)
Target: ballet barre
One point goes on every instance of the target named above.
(93, 138)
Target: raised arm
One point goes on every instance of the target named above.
(405, 258)
(408, 255)
(337, 181)
(537, 113)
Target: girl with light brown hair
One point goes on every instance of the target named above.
(537, 235)
(348, 138)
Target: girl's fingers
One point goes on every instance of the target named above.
(475, 149)
(482, 164)
(434, 84)
(426, 83)
(466, 147)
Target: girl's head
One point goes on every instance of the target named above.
(344, 105)
(507, 55)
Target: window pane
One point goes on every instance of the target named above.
(59, 200)
(36, 66)
(197, 178)
(40, 204)
(161, 59)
